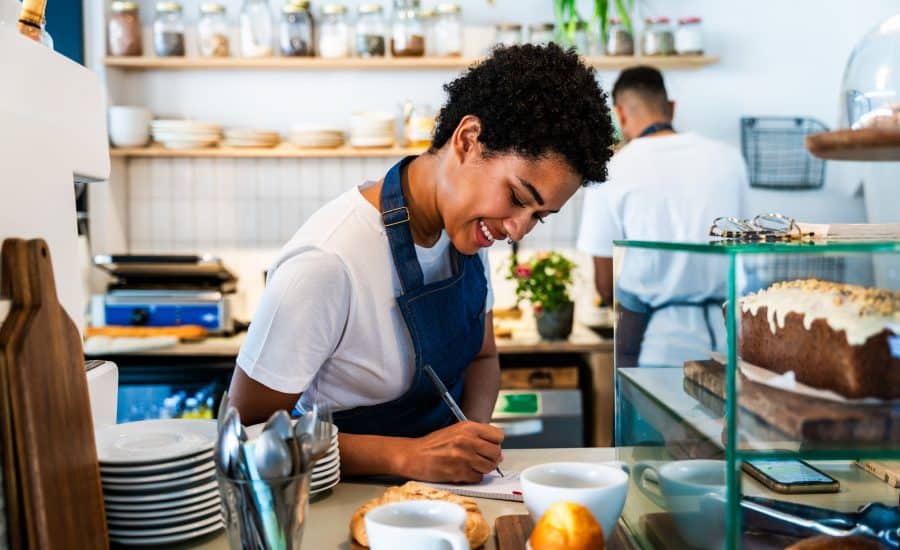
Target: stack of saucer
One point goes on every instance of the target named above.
(185, 134)
(247, 137)
(317, 137)
(159, 481)
(372, 129)
(327, 470)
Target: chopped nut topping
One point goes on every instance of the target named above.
(871, 301)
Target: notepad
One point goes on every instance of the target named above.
(491, 486)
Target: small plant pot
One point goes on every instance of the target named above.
(556, 325)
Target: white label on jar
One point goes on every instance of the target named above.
(688, 40)
(333, 43)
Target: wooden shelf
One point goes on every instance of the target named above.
(285, 150)
(147, 63)
(867, 144)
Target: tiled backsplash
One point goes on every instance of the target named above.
(244, 210)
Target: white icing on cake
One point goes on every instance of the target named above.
(858, 311)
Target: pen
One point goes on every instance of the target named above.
(448, 399)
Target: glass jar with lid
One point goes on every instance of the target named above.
(370, 31)
(428, 18)
(257, 32)
(619, 40)
(580, 40)
(447, 31)
(658, 38)
(123, 31)
(168, 30)
(689, 36)
(407, 31)
(507, 34)
(334, 32)
(295, 32)
(541, 33)
(212, 31)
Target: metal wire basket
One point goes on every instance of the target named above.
(776, 154)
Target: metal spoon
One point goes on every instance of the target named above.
(280, 423)
(228, 444)
(272, 456)
(224, 406)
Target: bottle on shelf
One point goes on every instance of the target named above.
(257, 33)
(123, 30)
(407, 32)
(212, 30)
(295, 33)
(168, 30)
(32, 22)
(334, 32)
(370, 31)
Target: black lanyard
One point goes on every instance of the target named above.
(654, 128)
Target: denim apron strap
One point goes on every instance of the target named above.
(395, 216)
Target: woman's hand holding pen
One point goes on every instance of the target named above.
(460, 453)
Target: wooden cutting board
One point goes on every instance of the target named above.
(512, 533)
(808, 419)
(57, 501)
(885, 470)
(663, 535)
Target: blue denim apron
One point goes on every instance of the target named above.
(445, 320)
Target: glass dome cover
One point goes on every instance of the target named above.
(871, 87)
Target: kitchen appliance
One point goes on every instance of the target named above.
(165, 290)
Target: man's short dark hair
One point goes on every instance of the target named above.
(533, 101)
(644, 81)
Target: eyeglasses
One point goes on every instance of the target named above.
(770, 227)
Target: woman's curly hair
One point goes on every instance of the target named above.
(533, 101)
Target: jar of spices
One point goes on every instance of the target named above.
(689, 36)
(658, 38)
(541, 33)
(418, 124)
(334, 32)
(370, 31)
(295, 32)
(507, 34)
(257, 32)
(447, 31)
(619, 40)
(407, 31)
(212, 31)
(123, 31)
(168, 30)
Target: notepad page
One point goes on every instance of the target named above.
(491, 486)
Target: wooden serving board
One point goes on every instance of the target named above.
(663, 535)
(47, 431)
(885, 470)
(808, 419)
(512, 533)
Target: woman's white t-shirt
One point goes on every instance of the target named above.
(328, 317)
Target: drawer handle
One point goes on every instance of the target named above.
(540, 379)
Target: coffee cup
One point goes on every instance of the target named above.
(599, 487)
(693, 493)
(417, 525)
(129, 126)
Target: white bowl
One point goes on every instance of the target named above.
(129, 126)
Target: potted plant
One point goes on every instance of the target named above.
(544, 280)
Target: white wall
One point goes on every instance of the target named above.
(779, 57)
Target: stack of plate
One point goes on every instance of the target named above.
(316, 137)
(185, 134)
(327, 470)
(159, 481)
(247, 137)
(372, 129)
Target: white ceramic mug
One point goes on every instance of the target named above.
(417, 525)
(599, 487)
(129, 126)
(693, 492)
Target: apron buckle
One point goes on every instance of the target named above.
(390, 220)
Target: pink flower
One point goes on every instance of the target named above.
(523, 271)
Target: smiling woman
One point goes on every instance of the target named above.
(392, 275)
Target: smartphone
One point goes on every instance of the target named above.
(791, 476)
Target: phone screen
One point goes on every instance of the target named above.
(790, 471)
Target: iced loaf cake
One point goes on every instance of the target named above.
(833, 336)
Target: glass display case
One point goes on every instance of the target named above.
(731, 355)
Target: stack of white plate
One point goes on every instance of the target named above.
(248, 137)
(327, 470)
(159, 481)
(316, 137)
(372, 129)
(185, 134)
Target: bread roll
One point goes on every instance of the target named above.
(567, 526)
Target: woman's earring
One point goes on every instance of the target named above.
(510, 241)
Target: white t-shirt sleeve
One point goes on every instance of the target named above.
(299, 322)
(601, 223)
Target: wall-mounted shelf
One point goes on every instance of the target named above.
(147, 63)
(867, 144)
(281, 151)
